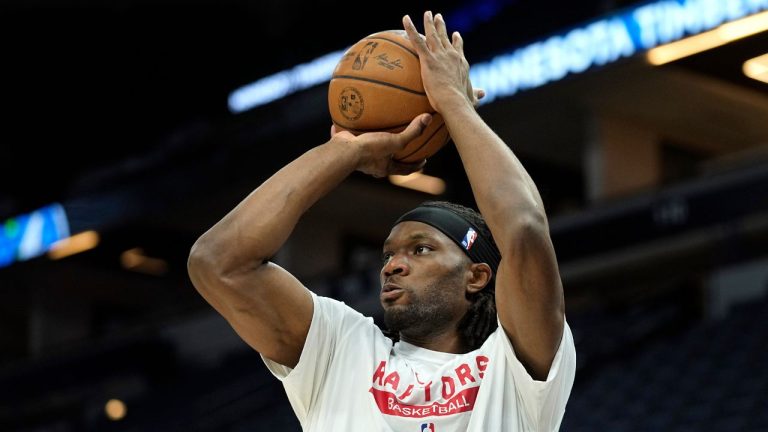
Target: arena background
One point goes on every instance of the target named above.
(116, 115)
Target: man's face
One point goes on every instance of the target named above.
(423, 278)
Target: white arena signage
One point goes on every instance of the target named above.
(596, 43)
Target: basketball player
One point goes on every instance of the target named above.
(479, 338)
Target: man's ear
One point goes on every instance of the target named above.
(481, 275)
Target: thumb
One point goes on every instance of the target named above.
(415, 128)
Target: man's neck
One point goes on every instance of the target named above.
(448, 342)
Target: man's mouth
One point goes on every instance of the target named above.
(390, 292)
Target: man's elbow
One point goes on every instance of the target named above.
(526, 227)
(207, 260)
(212, 256)
(201, 264)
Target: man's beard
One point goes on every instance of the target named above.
(428, 313)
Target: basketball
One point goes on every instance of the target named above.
(376, 86)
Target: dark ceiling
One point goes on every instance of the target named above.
(127, 102)
(91, 87)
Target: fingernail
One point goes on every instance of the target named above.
(438, 16)
(426, 120)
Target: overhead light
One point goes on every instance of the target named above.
(75, 244)
(684, 48)
(757, 68)
(135, 260)
(420, 182)
(722, 35)
(115, 409)
(744, 27)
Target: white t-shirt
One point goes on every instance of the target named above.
(350, 377)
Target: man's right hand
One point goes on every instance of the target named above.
(374, 150)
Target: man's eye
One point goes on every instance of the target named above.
(422, 249)
(386, 257)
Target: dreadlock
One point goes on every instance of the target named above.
(480, 320)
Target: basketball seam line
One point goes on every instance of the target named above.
(426, 141)
(405, 89)
(396, 43)
(385, 128)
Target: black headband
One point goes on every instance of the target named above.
(462, 232)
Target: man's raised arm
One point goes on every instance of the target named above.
(529, 293)
(229, 264)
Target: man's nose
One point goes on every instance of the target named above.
(396, 266)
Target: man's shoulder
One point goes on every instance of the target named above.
(340, 311)
(335, 304)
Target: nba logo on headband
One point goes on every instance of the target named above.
(469, 238)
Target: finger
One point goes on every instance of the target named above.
(340, 131)
(417, 40)
(402, 168)
(478, 94)
(344, 134)
(433, 40)
(414, 129)
(458, 43)
(442, 31)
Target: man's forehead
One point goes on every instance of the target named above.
(412, 230)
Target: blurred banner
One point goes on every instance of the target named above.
(30, 235)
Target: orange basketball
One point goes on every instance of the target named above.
(377, 86)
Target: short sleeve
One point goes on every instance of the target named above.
(544, 401)
(332, 321)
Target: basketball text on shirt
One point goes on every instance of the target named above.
(451, 394)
